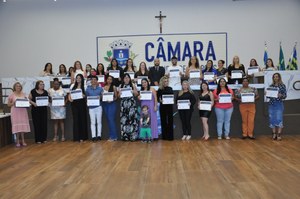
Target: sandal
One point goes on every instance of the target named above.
(279, 137)
(274, 137)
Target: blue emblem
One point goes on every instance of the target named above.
(121, 51)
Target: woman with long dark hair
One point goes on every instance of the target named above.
(110, 108)
(193, 65)
(223, 109)
(205, 95)
(128, 111)
(79, 111)
(114, 65)
(47, 70)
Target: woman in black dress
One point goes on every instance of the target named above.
(79, 111)
(205, 95)
(39, 113)
(165, 110)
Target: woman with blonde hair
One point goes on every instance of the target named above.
(165, 109)
(236, 65)
(186, 115)
(19, 116)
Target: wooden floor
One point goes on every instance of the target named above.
(196, 169)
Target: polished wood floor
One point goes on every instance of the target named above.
(196, 169)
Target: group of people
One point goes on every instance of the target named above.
(87, 93)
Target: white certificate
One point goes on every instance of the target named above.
(108, 97)
(66, 80)
(194, 73)
(66, 90)
(183, 104)
(174, 72)
(22, 103)
(167, 99)
(208, 76)
(93, 101)
(220, 77)
(126, 92)
(114, 73)
(205, 105)
(272, 92)
(146, 95)
(76, 94)
(236, 74)
(253, 69)
(101, 78)
(58, 101)
(139, 79)
(225, 98)
(131, 74)
(42, 101)
(247, 97)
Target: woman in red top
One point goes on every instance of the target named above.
(223, 107)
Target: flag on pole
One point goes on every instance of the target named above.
(281, 65)
(266, 54)
(292, 65)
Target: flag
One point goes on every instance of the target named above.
(281, 65)
(265, 54)
(292, 65)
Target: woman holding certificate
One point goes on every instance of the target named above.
(128, 112)
(193, 71)
(246, 96)
(19, 115)
(101, 74)
(209, 73)
(165, 96)
(141, 73)
(236, 71)
(276, 94)
(109, 106)
(223, 97)
(206, 102)
(47, 70)
(38, 97)
(185, 102)
(148, 97)
(116, 72)
(58, 108)
(79, 112)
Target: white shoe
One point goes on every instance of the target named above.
(188, 137)
(227, 138)
(219, 138)
(183, 137)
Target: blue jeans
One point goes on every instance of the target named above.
(276, 114)
(110, 113)
(223, 118)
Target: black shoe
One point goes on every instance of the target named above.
(98, 138)
(251, 137)
(94, 139)
(244, 137)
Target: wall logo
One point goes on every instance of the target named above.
(120, 49)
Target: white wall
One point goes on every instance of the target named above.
(33, 32)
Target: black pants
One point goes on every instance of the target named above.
(79, 113)
(39, 119)
(166, 119)
(185, 117)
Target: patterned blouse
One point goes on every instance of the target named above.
(245, 90)
(281, 90)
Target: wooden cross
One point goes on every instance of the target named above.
(160, 18)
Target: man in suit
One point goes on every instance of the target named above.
(156, 72)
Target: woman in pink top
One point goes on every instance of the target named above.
(19, 116)
(223, 108)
